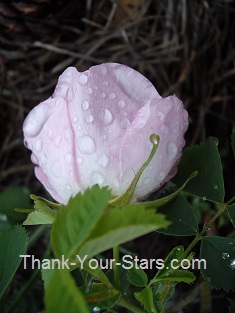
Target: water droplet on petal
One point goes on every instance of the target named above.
(68, 187)
(86, 144)
(125, 123)
(89, 91)
(83, 79)
(174, 130)
(97, 178)
(160, 115)
(68, 135)
(38, 145)
(56, 169)
(68, 157)
(103, 160)
(106, 117)
(103, 95)
(105, 83)
(58, 141)
(50, 133)
(70, 94)
(89, 119)
(121, 104)
(172, 150)
(79, 160)
(75, 119)
(163, 129)
(112, 96)
(85, 105)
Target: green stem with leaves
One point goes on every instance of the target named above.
(206, 227)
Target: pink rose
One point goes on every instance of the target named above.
(95, 129)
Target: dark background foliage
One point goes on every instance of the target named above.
(183, 47)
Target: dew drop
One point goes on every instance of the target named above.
(154, 139)
(106, 117)
(83, 79)
(89, 91)
(163, 129)
(103, 95)
(103, 161)
(125, 123)
(38, 145)
(105, 83)
(56, 169)
(112, 96)
(68, 157)
(68, 135)
(70, 94)
(79, 160)
(89, 119)
(97, 178)
(160, 115)
(96, 309)
(172, 150)
(225, 256)
(121, 104)
(58, 141)
(50, 133)
(86, 144)
(68, 187)
(75, 119)
(174, 130)
(215, 187)
(204, 198)
(85, 105)
(232, 264)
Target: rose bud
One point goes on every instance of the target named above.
(95, 129)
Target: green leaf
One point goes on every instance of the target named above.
(163, 201)
(120, 225)
(180, 276)
(101, 296)
(13, 243)
(162, 292)
(12, 198)
(205, 159)
(231, 213)
(137, 277)
(232, 306)
(75, 221)
(42, 215)
(175, 253)
(62, 294)
(219, 253)
(182, 217)
(145, 297)
(233, 140)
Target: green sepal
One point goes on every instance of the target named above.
(126, 197)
